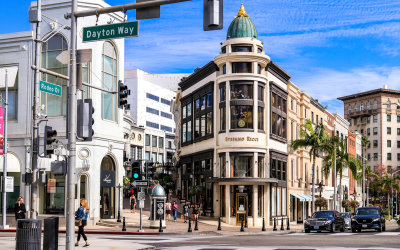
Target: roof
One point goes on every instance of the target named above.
(198, 75)
(242, 26)
(370, 92)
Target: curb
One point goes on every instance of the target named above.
(92, 232)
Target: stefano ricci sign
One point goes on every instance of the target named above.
(241, 139)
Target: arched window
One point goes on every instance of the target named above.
(368, 105)
(361, 106)
(54, 105)
(388, 104)
(375, 104)
(355, 108)
(109, 81)
(349, 109)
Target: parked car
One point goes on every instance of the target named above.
(324, 221)
(347, 219)
(368, 218)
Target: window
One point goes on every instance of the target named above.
(398, 131)
(389, 143)
(160, 142)
(260, 118)
(12, 97)
(291, 104)
(375, 130)
(160, 158)
(152, 125)
(166, 115)
(362, 131)
(242, 48)
(241, 164)
(222, 107)
(241, 91)
(241, 117)
(166, 128)
(222, 165)
(152, 97)
(398, 118)
(376, 156)
(355, 108)
(109, 81)
(278, 169)
(147, 140)
(375, 118)
(154, 157)
(388, 105)
(241, 107)
(398, 156)
(388, 118)
(261, 165)
(355, 121)
(389, 156)
(54, 105)
(389, 130)
(375, 104)
(165, 101)
(259, 50)
(368, 105)
(224, 69)
(152, 111)
(154, 141)
(223, 50)
(312, 117)
(222, 95)
(222, 122)
(261, 94)
(369, 156)
(242, 67)
(278, 113)
(186, 121)
(369, 119)
(203, 113)
(258, 69)
(361, 106)
(349, 121)
(375, 143)
(147, 155)
(349, 109)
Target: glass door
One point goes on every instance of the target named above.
(241, 208)
(107, 203)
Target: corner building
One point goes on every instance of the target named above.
(233, 155)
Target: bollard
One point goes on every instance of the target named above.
(219, 224)
(190, 227)
(119, 216)
(288, 224)
(196, 226)
(282, 227)
(160, 230)
(241, 227)
(123, 224)
(263, 226)
(274, 225)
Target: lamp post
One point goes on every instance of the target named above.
(119, 201)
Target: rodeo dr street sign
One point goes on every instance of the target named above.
(110, 31)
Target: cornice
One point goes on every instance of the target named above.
(369, 93)
(274, 69)
(242, 76)
(242, 57)
(198, 75)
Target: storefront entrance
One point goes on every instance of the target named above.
(107, 188)
(241, 207)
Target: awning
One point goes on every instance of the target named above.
(11, 73)
(13, 164)
(243, 179)
(302, 197)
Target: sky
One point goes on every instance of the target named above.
(331, 48)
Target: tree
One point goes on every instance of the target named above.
(316, 140)
(388, 183)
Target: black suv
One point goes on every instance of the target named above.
(324, 220)
(368, 218)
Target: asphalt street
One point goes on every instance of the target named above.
(270, 240)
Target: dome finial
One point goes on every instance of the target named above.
(242, 12)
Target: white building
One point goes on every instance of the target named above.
(101, 157)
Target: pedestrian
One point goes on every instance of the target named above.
(186, 211)
(81, 221)
(175, 210)
(132, 200)
(20, 209)
(195, 212)
(168, 209)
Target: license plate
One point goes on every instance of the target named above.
(316, 227)
(364, 225)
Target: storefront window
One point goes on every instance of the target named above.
(12, 196)
(222, 165)
(260, 201)
(241, 91)
(222, 122)
(223, 201)
(241, 164)
(260, 165)
(52, 194)
(260, 118)
(241, 116)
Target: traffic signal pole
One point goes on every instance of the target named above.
(3, 188)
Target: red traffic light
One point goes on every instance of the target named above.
(132, 191)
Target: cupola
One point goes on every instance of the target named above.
(242, 26)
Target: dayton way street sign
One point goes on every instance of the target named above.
(104, 32)
(50, 88)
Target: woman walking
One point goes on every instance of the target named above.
(168, 209)
(20, 209)
(81, 221)
(175, 210)
(195, 212)
(132, 200)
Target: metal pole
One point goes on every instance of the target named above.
(36, 113)
(140, 207)
(4, 201)
(71, 135)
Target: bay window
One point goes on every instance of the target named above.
(241, 164)
(241, 104)
(109, 72)
(278, 113)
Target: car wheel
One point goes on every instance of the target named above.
(342, 228)
(307, 231)
(353, 230)
(379, 229)
(333, 228)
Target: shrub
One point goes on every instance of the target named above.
(346, 204)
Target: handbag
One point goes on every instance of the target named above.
(78, 223)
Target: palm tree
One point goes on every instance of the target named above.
(364, 144)
(316, 140)
(388, 183)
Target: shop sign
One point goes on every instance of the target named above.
(241, 139)
(9, 184)
(51, 186)
(107, 178)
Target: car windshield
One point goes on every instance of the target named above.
(323, 214)
(367, 211)
(345, 215)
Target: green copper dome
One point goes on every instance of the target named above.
(242, 26)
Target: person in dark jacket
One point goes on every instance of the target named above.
(82, 214)
(20, 209)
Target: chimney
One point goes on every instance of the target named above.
(384, 86)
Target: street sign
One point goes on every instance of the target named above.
(141, 196)
(143, 183)
(110, 31)
(9, 187)
(141, 204)
(50, 88)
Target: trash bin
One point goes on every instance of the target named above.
(50, 233)
(29, 234)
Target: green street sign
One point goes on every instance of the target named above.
(50, 88)
(104, 32)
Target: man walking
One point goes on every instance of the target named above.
(186, 211)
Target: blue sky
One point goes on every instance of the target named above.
(330, 48)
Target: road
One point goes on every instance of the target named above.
(269, 240)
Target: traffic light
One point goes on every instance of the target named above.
(85, 119)
(49, 135)
(149, 169)
(123, 93)
(136, 170)
(213, 15)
